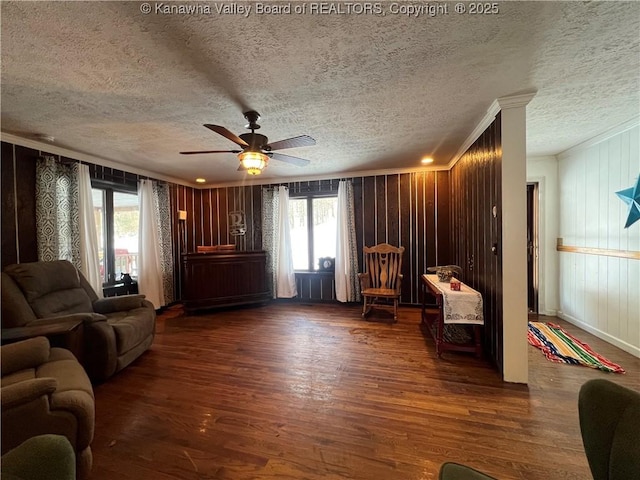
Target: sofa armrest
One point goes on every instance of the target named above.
(22, 355)
(101, 360)
(27, 391)
(118, 304)
(65, 320)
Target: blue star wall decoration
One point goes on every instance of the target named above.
(631, 196)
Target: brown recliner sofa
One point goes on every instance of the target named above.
(115, 330)
(46, 391)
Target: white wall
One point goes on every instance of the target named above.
(544, 172)
(514, 237)
(600, 293)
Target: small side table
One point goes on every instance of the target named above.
(436, 326)
(63, 335)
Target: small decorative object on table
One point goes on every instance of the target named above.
(126, 279)
(455, 285)
(446, 272)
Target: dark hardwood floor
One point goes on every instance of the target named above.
(289, 391)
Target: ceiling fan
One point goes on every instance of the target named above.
(256, 149)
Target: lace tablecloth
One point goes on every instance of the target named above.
(464, 306)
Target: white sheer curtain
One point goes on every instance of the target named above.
(285, 276)
(346, 265)
(276, 240)
(89, 256)
(150, 255)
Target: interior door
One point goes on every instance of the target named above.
(532, 247)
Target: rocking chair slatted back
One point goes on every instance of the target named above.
(382, 279)
(384, 263)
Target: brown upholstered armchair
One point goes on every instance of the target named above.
(46, 391)
(114, 331)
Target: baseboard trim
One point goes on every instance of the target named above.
(633, 350)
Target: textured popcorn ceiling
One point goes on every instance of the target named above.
(375, 91)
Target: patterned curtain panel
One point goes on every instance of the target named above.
(269, 223)
(57, 217)
(346, 266)
(163, 215)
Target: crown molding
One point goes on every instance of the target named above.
(606, 135)
(55, 150)
(328, 176)
(499, 104)
(514, 101)
(85, 157)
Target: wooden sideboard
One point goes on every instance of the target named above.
(223, 279)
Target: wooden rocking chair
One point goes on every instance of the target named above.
(382, 278)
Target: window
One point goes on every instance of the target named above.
(313, 222)
(116, 215)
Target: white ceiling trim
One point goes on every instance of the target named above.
(65, 152)
(502, 103)
(618, 129)
(333, 176)
(85, 157)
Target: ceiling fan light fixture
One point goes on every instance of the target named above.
(253, 162)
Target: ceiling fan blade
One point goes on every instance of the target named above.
(301, 162)
(227, 134)
(210, 151)
(300, 141)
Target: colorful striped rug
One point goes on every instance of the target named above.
(560, 347)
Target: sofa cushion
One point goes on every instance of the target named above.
(131, 327)
(51, 288)
(64, 367)
(16, 312)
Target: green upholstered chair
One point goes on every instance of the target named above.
(45, 457)
(610, 425)
(455, 471)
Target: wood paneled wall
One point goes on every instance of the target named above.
(600, 293)
(409, 209)
(18, 168)
(475, 190)
(18, 214)
(404, 209)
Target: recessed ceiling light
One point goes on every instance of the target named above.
(200, 180)
(426, 160)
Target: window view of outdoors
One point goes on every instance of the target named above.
(125, 233)
(299, 233)
(323, 218)
(325, 223)
(123, 245)
(99, 215)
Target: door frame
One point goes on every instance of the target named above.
(533, 247)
